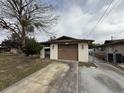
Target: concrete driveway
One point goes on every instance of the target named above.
(103, 79)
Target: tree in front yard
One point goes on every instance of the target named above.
(32, 47)
(12, 41)
(23, 16)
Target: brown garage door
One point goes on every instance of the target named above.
(68, 52)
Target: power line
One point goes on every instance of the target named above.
(101, 18)
(115, 5)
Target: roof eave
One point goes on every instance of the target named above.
(63, 42)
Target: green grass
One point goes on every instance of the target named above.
(13, 68)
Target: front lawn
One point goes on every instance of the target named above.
(14, 68)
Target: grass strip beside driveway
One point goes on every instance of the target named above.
(86, 64)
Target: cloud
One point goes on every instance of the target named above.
(72, 22)
(112, 25)
(3, 35)
(78, 17)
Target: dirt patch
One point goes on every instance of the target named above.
(88, 64)
(118, 66)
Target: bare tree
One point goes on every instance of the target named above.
(23, 16)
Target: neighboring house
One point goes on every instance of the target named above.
(112, 50)
(4, 49)
(7, 49)
(66, 48)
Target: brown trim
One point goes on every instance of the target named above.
(104, 45)
(65, 39)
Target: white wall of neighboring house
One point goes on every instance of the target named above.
(83, 52)
(118, 48)
(109, 49)
(42, 53)
(54, 51)
(14, 51)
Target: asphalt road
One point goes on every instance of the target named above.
(103, 79)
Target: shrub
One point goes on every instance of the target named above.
(32, 47)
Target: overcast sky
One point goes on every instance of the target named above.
(77, 18)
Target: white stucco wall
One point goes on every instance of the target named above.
(118, 48)
(42, 53)
(83, 52)
(54, 51)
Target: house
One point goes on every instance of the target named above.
(66, 48)
(112, 50)
(8, 49)
(4, 49)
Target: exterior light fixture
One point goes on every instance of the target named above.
(66, 43)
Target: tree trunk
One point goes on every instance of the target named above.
(23, 40)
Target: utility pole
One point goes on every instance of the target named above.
(112, 37)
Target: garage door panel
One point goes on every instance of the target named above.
(68, 52)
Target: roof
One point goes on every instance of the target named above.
(3, 47)
(112, 42)
(66, 39)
